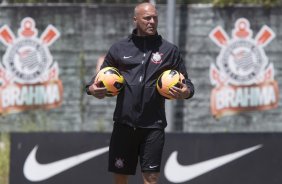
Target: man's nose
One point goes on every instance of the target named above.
(152, 20)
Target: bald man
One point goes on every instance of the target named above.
(139, 117)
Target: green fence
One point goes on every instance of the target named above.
(4, 157)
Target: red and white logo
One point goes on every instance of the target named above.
(157, 58)
(242, 75)
(28, 74)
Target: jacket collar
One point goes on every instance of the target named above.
(134, 36)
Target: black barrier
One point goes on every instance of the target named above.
(71, 158)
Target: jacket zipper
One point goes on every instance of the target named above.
(142, 76)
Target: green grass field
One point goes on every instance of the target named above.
(4, 158)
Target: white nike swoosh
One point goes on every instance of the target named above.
(126, 57)
(177, 173)
(152, 167)
(35, 171)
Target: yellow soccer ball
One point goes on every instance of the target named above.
(167, 80)
(111, 79)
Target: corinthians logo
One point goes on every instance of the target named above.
(243, 77)
(157, 58)
(28, 74)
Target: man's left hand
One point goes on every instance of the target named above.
(180, 93)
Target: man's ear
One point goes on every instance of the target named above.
(134, 20)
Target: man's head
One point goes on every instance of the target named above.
(145, 19)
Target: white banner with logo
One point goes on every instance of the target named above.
(242, 76)
(29, 78)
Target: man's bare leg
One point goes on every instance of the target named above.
(121, 179)
(150, 177)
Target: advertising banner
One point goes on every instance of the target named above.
(29, 77)
(233, 158)
(243, 76)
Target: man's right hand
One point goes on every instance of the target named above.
(97, 91)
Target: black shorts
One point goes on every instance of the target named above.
(128, 144)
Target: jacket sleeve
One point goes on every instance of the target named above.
(180, 67)
(111, 58)
(108, 61)
(89, 84)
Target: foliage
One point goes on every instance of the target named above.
(4, 158)
(256, 2)
(215, 2)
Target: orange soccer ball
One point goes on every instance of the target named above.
(111, 79)
(168, 79)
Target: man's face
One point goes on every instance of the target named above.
(146, 20)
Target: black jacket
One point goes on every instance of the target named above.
(141, 60)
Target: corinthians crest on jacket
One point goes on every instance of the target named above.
(28, 74)
(242, 75)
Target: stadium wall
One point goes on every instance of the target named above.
(87, 31)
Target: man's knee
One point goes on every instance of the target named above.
(151, 177)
